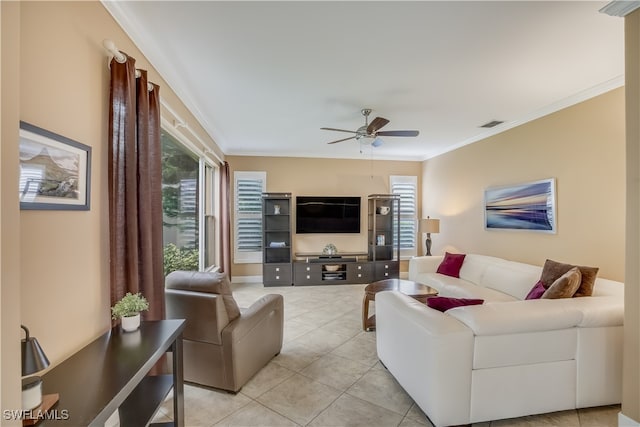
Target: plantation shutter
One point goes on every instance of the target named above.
(248, 210)
(407, 188)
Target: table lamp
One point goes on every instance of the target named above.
(429, 225)
(33, 360)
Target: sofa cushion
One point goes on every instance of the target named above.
(565, 286)
(475, 265)
(445, 303)
(552, 270)
(606, 287)
(512, 278)
(537, 291)
(448, 286)
(450, 265)
(469, 290)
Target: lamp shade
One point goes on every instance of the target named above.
(33, 357)
(430, 225)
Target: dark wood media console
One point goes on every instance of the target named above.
(111, 373)
(344, 268)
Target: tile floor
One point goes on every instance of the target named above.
(328, 374)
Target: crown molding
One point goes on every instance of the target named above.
(620, 7)
(545, 111)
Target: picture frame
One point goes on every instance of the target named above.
(530, 206)
(55, 171)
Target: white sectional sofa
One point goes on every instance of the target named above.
(507, 357)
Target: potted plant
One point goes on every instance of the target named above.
(128, 309)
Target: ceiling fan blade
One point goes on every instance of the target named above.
(340, 140)
(376, 124)
(398, 133)
(339, 130)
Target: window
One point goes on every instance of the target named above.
(407, 188)
(209, 247)
(248, 189)
(180, 206)
(188, 206)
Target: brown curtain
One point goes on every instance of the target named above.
(135, 198)
(225, 219)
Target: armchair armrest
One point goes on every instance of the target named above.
(204, 313)
(252, 317)
(423, 264)
(250, 341)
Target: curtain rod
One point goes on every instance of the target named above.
(120, 57)
(180, 123)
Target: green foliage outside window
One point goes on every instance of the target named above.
(179, 259)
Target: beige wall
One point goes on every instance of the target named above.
(323, 177)
(64, 255)
(64, 87)
(582, 147)
(10, 331)
(631, 369)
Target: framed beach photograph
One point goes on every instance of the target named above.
(530, 206)
(55, 171)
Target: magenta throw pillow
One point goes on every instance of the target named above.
(451, 264)
(445, 303)
(537, 291)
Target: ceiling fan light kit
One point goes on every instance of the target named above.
(370, 133)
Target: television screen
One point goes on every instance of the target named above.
(318, 214)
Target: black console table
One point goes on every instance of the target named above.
(111, 373)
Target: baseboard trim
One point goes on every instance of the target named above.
(246, 279)
(624, 421)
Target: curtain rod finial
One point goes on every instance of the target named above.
(109, 45)
(113, 50)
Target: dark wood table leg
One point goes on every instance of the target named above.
(178, 383)
(365, 311)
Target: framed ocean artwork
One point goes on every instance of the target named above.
(530, 206)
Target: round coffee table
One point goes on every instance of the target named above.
(408, 287)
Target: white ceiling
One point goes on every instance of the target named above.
(263, 77)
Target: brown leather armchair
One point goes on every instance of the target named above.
(223, 347)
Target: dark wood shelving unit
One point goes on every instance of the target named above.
(276, 239)
(382, 226)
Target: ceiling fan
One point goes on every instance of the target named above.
(371, 130)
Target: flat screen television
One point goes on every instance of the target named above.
(327, 214)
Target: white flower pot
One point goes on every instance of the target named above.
(131, 323)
